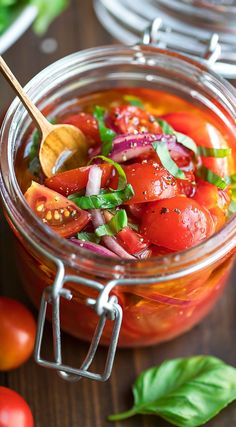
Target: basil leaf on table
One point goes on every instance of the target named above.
(186, 392)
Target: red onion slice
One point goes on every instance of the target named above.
(128, 146)
(93, 188)
(98, 249)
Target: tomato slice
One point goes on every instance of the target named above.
(204, 134)
(74, 180)
(87, 124)
(214, 199)
(130, 119)
(60, 214)
(131, 241)
(150, 182)
(177, 224)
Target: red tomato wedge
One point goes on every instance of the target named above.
(204, 134)
(74, 180)
(130, 119)
(87, 124)
(215, 200)
(177, 224)
(150, 182)
(131, 241)
(60, 214)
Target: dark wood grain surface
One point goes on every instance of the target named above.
(86, 404)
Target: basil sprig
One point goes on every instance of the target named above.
(114, 226)
(106, 134)
(134, 100)
(163, 153)
(185, 140)
(88, 237)
(105, 200)
(186, 392)
(211, 177)
(214, 152)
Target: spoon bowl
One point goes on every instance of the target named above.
(62, 146)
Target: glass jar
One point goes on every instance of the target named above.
(160, 298)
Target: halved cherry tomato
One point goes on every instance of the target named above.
(17, 334)
(87, 124)
(74, 180)
(177, 224)
(14, 411)
(150, 181)
(130, 119)
(204, 134)
(214, 199)
(131, 241)
(60, 214)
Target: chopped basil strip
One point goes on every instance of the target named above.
(133, 100)
(114, 226)
(182, 139)
(163, 153)
(232, 208)
(106, 134)
(34, 163)
(106, 200)
(231, 179)
(211, 177)
(88, 237)
(214, 152)
(122, 181)
(186, 392)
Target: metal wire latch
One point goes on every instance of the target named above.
(208, 50)
(105, 306)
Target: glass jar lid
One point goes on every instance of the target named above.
(185, 26)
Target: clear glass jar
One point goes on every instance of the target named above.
(160, 298)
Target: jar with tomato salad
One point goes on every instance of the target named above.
(145, 229)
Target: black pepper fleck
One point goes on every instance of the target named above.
(178, 211)
(164, 210)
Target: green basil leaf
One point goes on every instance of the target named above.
(231, 179)
(213, 152)
(211, 177)
(88, 237)
(186, 392)
(186, 141)
(182, 139)
(104, 201)
(114, 226)
(134, 100)
(106, 134)
(122, 182)
(166, 160)
(34, 163)
(166, 128)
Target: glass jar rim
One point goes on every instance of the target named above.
(49, 243)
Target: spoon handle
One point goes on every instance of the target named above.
(40, 121)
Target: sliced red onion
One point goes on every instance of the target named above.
(93, 188)
(98, 249)
(128, 146)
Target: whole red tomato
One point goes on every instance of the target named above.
(14, 411)
(17, 334)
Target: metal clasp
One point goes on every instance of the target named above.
(106, 307)
(206, 49)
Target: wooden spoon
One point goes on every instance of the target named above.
(62, 146)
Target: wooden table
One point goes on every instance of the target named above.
(86, 404)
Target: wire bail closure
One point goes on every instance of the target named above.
(158, 34)
(106, 307)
